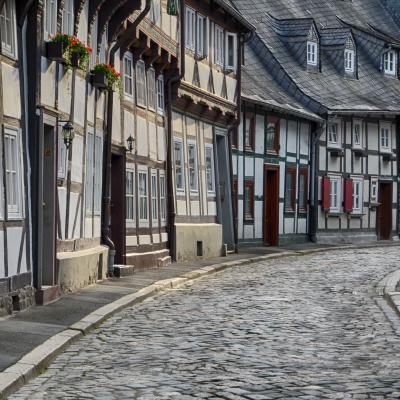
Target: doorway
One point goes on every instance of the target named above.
(118, 206)
(271, 205)
(384, 216)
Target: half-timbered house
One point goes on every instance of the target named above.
(340, 60)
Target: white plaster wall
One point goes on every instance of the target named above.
(161, 143)
(282, 138)
(348, 155)
(248, 232)
(142, 145)
(234, 164)
(11, 91)
(2, 270)
(373, 137)
(231, 88)
(189, 68)
(65, 90)
(129, 125)
(14, 239)
(258, 222)
(373, 165)
(259, 177)
(259, 134)
(74, 216)
(212, 208)
(281, 219)
(88, 227)
(83, 23)
(144, 239)
(204, 74)
(322, 157)
(194, 207)
(333, 223)
(302, 225)
(131, 240)
(289, 225)
(304, 139)
(218, 79)
(334, 163)
(292, 137)
(152, 138)
(62, 201)
(249, 167)
(240, 219)
(77, 154)
(181, 207)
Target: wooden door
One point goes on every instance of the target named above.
(271, 206)
(118, 207)
(385, 211)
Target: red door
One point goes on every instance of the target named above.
(271, 205)
(384, 225)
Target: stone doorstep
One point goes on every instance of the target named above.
(120, 271)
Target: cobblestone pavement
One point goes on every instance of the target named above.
(306, 327)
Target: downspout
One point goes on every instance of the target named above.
(106, 207)
(318, 130)
(170, 184)
(233, 127)
(398, 172)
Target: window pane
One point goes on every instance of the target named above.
(192, 150)
(209, 169)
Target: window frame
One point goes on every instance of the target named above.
(190, 28)
(349, 61)
(201, 35)
(374, 183)
(338, 143)
(386, 63)
(338, 194)
(128, 59)
(277, 122)
(219, 39)
(312, 53)
(250, 185)
(210, 169)
(143, 206)
(132, 210)
(191, 144)
(180, 189)
(151, 89)
(9, 49)
(155, 12)
(303, 172)
(68, 14)
(290, 201)
(53, 21)
(228, 66)
(361, 134)
(154, 196)
(160, 94)
(252, 128)
(385, 126)
(141, 89)
(357, 182)
(163, 197)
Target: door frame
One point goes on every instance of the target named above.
(378, 214)
(276, 170)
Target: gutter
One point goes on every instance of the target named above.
(356, 111)
(106, 206)
(169, 168)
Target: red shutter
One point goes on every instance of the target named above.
(348, 195)
(326, 187)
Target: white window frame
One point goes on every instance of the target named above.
(231, 66)
(312, 53)
(50, 20)
(361, 134)
(151, 89)
(160, 94)
(154, 197)
(15, 210)
(190, 28)
(141, 91)
(338, 142)
(349, 59)
(357, 182)
(155, 12)
(68, 17)
(219, 42)
(130, 195)
(335, 182)
(210, 170)
(385, 145)
(98, 173)
(374, 189)
(128, 75)
(201, 36)
(163, 197)
(390, 63)
(192, 145)
(62, 155)
(181, 189)
(9, 47)
(143, 195)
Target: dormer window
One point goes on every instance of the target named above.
(349, 60)
(312, 53)
(389, 63)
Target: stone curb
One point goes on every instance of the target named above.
(387, 288)
(40, 358)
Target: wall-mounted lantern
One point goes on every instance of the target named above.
(131, 143)
(68, 134)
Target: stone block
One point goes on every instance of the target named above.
(123, 270)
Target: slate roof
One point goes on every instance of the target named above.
(328, 90)
(259, 87)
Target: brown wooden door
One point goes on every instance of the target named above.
(385, 211)
(118, 207)
(271, 205)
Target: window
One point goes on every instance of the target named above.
(160, 94)
(249, 200)
(374, 190)
(128, 75)
(230, 51)
(178, 157)
(163, 201)
(389, 63)
(143, 196)
(333, 134)
(290, 189)
(98, 173)
(89, 172)
(249, 132)
(7, 22)
(190, 32)
(151, 88)
(357, 195)
(201, 38)
(155, 12)
(141, 84)
(130, 195)
(68, 17)
(303, 187)
(349, 60)
(219, 46)
(272, 134)
(51, 17)
(209, 156)
(154, 198)
(13, 176)
(311, 53)
(192, 157)
(385, 138)
(357, 134)
(335, 194)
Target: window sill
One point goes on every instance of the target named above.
(333, 213)
(336, 151)
(359, 151)
(356, 215)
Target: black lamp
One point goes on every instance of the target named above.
(131, 142)
(68, 133)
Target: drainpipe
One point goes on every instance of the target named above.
(398, 172)
(233, 127)
(170, 184)
(318, 130)
(106, 208)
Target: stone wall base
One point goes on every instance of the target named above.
(19, 300)
(346, 237)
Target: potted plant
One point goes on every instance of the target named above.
(105, 76)
(69, 50)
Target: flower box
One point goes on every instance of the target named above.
(99, 80)
(55, 51)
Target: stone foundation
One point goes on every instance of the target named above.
(20, 300)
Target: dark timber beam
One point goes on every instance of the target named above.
(120, 16)
(78, 7)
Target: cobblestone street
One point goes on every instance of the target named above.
(308, 327)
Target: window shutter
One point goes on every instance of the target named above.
(348, 195)
(325, 193)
